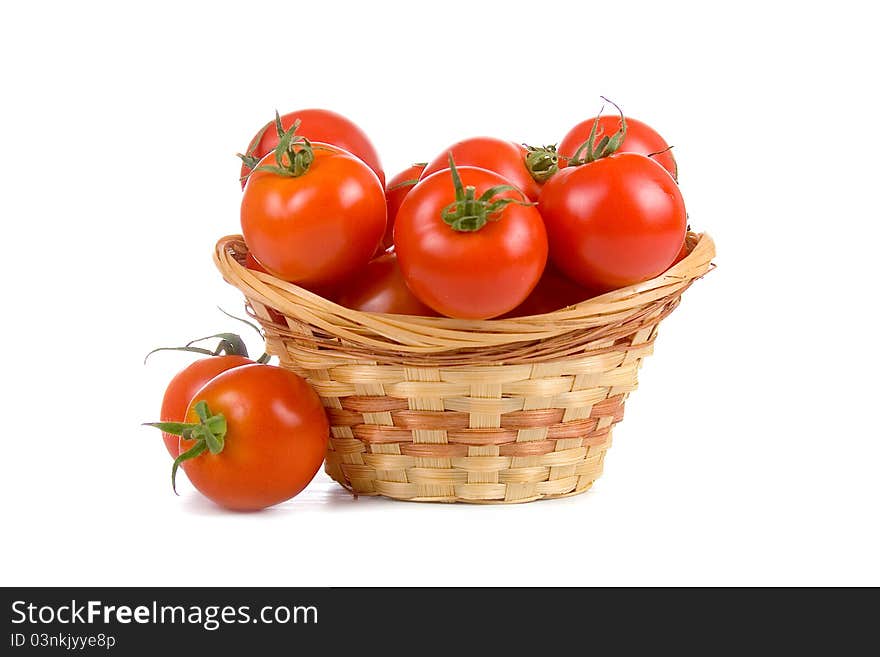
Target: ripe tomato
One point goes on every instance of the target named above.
(473, 252)
(273, 442)
(252, 263)
(395, 191)
(316, 125)
(503, 157)
(640, 138)
(380, 288)
(553, 292)
(682, 254)
(613, 222)
(185, 384)
(315, 215)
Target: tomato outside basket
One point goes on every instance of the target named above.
(445, 410)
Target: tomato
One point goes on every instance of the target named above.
(316, 125)
(553, 292)
(613, 222)
(395, 191)
(380, 288)
(503, 157)
(682, 254)
(185, 384)
(479, 258)
(252, 263)
(275, 437)
(316, 217)
(640, 138)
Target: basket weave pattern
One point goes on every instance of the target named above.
(437, 409)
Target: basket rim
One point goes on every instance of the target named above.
(426, 335)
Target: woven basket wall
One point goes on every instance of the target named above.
(445, 410)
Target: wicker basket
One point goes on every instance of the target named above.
(446, 410)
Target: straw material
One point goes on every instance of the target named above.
(445, 410)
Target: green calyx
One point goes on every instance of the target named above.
(250, 159)
(209, 434)
(404, 183)
(590, 150)
(469, 213)
(542, 162)
(293, 155)
(411, 181)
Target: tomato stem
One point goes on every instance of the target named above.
(542, 162)
(230, 344)
(404, 183)
(410, 182)
(674, 163)
(590, 151)
(249, 159)
(209, 433)
(265, 357)
(467, 213)
(293, 155)
(244, 321)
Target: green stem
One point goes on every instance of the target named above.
(230, 344)
(244, 321)
(209, 434)
(404, 183)
(250, 159)
(590, 151)
(674, 163)
(542, 163)
(191, 453)
(293, 155)
(468, 213)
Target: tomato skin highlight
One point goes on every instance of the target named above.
(468, 275)
(505, 158)
(277, 433)
(185, 384)
(318, 228)
(323, 126)
(394, 196)
(380, 288)
(640, 138)
(614, 222)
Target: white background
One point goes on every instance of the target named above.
(750, 452)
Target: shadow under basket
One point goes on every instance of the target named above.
(433, 409)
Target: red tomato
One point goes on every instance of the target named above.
(185, 384)
(486, 269)
(275, 438)
(640, 138)
(380, 288)
(316, 125)
(503, 157)
(614, 222)
(682, 254)
(553, 292)
(395, 191)
(252, 263)
(313, 227)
